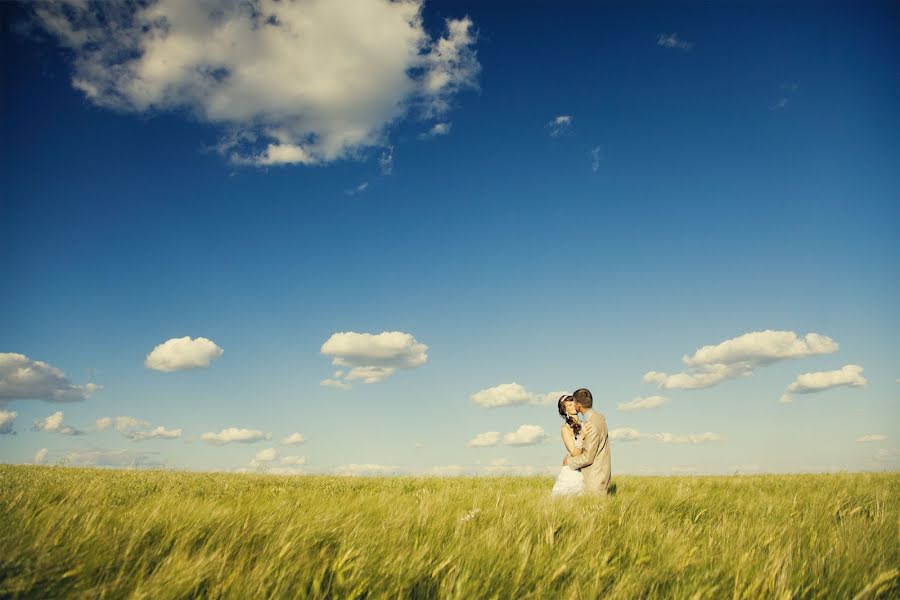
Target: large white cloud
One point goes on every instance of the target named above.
(513, 394)
(54, 424)
(7, 419)
(628, 434)
(371, 358)
(639, 403)
(24, 379)
(309, 81)
(739, 356)
(231, 435)
(488, 438)
(183, 353)
(525, 435)
(810, 383)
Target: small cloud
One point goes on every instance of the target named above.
(101, 457)
(525, 435)
(811, 383)
(40, 456)
(120, 424)
(7, 419)
(787, 93)
(295, 439)
(482, 440)
(235, 435)
(335, 383)
(293, 460)
(365, 470)
(680, 469)
(560, 125)
(671, 40)
(628, 434)
(54, 424)
(872, 437)
(596, 157)
(386, 160)
(436, 130)
(371, 358)
(177, 354)
(639, 403)
(267, 455)
(24, 379)
(358, 189)
(513, 394)
(448, 470)
(159, 433)
(420, 444)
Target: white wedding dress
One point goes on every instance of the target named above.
(569, 482)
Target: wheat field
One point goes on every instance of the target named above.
(70, 532)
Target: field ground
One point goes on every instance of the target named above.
(67, 532)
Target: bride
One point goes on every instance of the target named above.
(569, 481)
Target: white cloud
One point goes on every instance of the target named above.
(810, 383)
(267, 455)
(365, 470)
(293, 460)
(7, 419)
(183, 353)
(24, 379)
(512, 394)
(159, 433)
(371, 358)
(295, 439)
(101, 457)
(54, 424)
(488, 438)
(40, 456)
(639, 403)
(525, 435)
(235, 435)
(292, 82)
(358, 189)
(121, 424)
(386, 160)
(596, 158)
(438, 129)
(872, 437)
(628, 434)
(671, 40)
(560, 124)
(739, 356)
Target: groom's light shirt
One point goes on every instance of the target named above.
(587, 415)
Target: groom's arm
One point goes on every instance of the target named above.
(594, 439)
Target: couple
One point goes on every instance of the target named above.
(586, 467)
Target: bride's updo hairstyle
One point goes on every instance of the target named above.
(571, 421)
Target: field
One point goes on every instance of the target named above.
(69, 532)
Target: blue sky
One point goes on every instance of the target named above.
(724, 171)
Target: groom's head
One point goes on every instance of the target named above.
(583, 400)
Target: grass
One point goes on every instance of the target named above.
(67, 532)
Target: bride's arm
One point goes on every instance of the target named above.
(569, 440)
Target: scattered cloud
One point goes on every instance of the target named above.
(120, 424)
(54, 424)
(159, 433)
(24, 379)
(235, 435)
(267, 455)
(40, 456)
(596, 158)
(639, 403)
(488, 438)
(513, 394)
(295, 439)
(810, 383)
(386, 160)
(560, 125)
(437, 129)
(7, 420)
(787, 93)
(628, 434)
(671, 40)
(371, 358)
(739, 356)
(101, 457)
(871, 437)
(358, 189)
(288, 82)
(525, 435)
(366, 470)
(183, 353)
(293, 460)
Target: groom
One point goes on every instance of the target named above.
(594, 461)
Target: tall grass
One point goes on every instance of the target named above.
(68, 532)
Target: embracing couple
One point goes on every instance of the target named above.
(586, 467)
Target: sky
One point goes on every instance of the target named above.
(383, 238)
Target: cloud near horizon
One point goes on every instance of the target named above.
(235, 435)
(24, 379)
(288, 82)
(628, 434)
(811, 383)
(739, 356)
(177, 354)
(513, 394)
(371, 358)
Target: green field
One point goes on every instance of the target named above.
(69, 532)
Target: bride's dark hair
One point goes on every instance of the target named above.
(571, 421)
